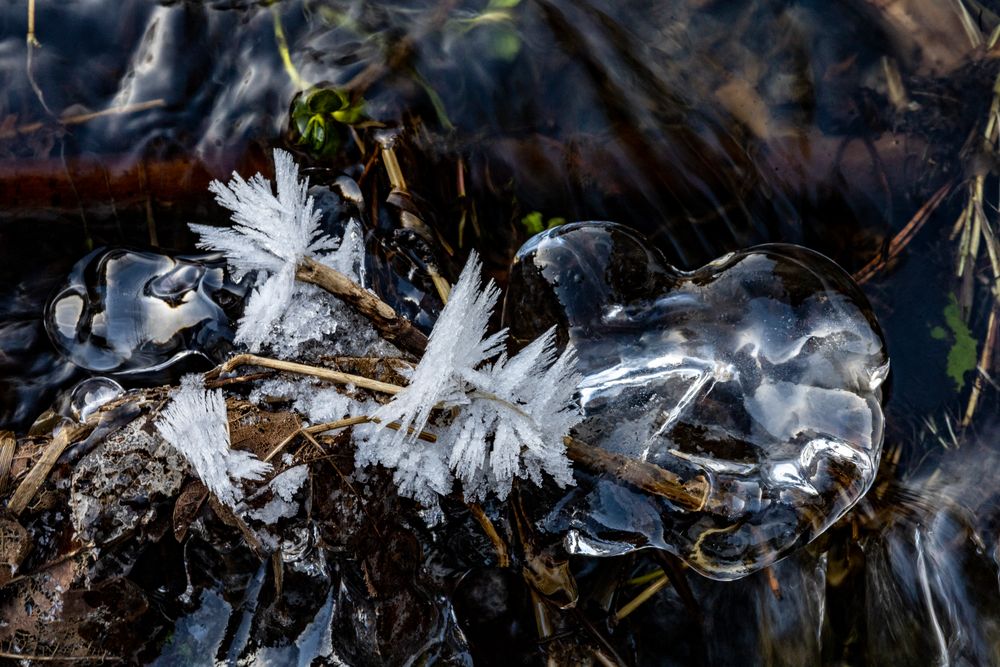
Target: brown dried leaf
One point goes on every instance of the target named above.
(186, 508)
(14, 547)
(259, 431)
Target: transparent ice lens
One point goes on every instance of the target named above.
(759, 373)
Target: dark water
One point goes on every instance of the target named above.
(707, 125)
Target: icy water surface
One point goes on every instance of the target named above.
(706, 126)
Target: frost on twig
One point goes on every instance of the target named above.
(508, 418)
(195, 424)
(271, 234)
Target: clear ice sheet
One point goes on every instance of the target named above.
(124, 311)
(761, 372)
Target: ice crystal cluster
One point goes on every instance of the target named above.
(195, 424)
(500, 417)
(271, 234)
(493, 418)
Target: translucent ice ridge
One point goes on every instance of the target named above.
(760, 372)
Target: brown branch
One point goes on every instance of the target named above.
(688, 494)
(503, 554)
(396, 329)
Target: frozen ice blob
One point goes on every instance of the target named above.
(758, 374)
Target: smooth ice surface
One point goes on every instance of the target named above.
(759, 372)
(124, 311)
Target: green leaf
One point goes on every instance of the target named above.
(318, 117)
(504, 44)
(532, 223)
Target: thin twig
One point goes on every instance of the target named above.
(426, 436)
(78, 119)
(216, 383)
(503, 554)
(340, 423)
(281, 445)
(396, 329)
(310, 431)
(36, 476)
(904, 236)
(58, 658)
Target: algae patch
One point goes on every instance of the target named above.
(962, 355)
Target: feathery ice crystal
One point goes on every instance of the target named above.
(195, 424)
(509, 416)
(271, 234)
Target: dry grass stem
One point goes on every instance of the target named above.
(644, 595)
(335, 377)
(340, 423)
(8, 443)
(983, 368)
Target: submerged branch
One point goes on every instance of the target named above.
(688, 494)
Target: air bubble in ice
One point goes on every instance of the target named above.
(89, 395)
(760, 372)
